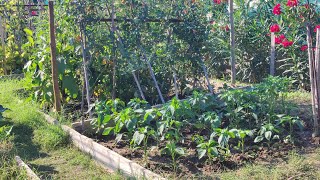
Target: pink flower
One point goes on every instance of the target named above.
(286, 43)
(292, 3)
(275, 28)
(277, 9)
(33, 13)
(304, 47)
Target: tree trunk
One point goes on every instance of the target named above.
(56, 90)
(232, 44)
(273, 55)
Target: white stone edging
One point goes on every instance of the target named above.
(105, 156)
(24, 166)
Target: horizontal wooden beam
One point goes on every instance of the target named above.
(23, 5)
(144, 20)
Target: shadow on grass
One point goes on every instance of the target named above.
(24, 145)
(44, 171)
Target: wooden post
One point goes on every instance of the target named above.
(232, 44)
(273, 54)
(56, 91)
(317, 81)
(312, 82)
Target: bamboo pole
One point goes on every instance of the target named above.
(133, 72)
(56, 90)
(2, 33)
(85, 71)
(204, 68)
(232, 43)
(138, 84)
(312, 82)
(114, 73)
(273, 54)
(176, 90)
(152, 75)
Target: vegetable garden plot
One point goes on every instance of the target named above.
(205, 133)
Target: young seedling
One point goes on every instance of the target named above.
(242, 134)
(292, 122)
(268, 132)
(175, 152)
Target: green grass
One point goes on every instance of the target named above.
(297, 167)
(44, 147)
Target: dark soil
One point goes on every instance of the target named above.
(190, 166)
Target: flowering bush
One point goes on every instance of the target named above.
(275, 28)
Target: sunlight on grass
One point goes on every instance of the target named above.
(44, 147)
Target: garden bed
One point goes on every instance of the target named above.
(200, 136)
(191, 166)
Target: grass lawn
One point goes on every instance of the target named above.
(45, 148)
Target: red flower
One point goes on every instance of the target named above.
(286, 43)
(33, 13)
(306, 6)
(217, 1)
(227, 28)
(292, 3)
(277, 9)
(275, 28)
(303, 47)
(280, 38)
(317, 27)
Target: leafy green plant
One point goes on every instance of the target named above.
(292, 121)
(242, 134)
(174, 152)
(267, 132)
(142, 136)
(209, 148)
(208, 119)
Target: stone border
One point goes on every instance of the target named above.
(24, 166)
(104, 156)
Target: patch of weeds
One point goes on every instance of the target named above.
(50, 137)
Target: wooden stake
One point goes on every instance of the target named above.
(312, 81)
(232, 44)
(138, 84)
(56, 91)
(273, 54)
